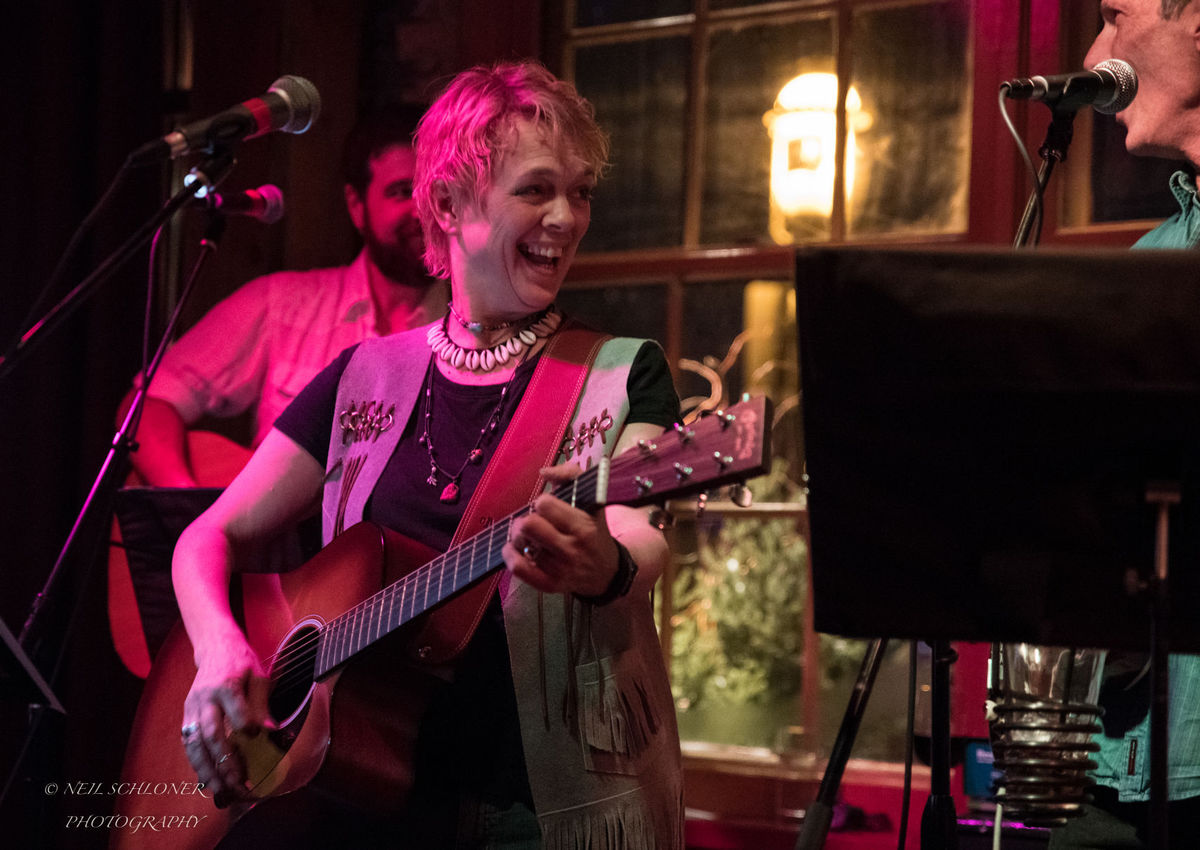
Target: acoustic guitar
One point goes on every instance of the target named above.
(215, 460)
(343, 635)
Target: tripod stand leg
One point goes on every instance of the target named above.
(939, 822)
(819, 813)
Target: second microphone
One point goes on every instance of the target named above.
(263, 204)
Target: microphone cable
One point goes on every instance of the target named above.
(1038, 187)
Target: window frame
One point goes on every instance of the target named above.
(1008, 39)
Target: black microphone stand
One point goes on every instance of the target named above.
(1053, 151)
(818, 815)
(116, 461)
(208, 175)
(1160, 495)
(939, 821)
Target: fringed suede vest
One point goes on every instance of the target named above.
(596, 713)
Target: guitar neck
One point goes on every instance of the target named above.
(426, 587)
(728, 446)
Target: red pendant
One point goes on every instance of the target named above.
(450, 494)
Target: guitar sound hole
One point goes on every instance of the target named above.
(293, 674)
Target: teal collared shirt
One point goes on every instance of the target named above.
(1124, 758)
(1182, 230)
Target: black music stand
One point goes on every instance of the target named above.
(151, 520)
(981, 428)
(20, 680)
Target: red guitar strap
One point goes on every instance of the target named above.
(512, 479)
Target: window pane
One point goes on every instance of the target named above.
(738, 623)
(639, 90)
(913, 160)
(589, 13)
(637, 311)
(747, 68)
(741, 583)
(712, 318)
(883, 734)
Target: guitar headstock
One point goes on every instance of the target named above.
(727, 446)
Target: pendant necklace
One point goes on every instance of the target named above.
(450, 492)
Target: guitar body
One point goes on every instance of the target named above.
(216, 461)
(333, 739)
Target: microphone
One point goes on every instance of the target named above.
(263, 204)
(291, 105)
(1108, 87)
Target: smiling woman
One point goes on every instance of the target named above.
(557, 725)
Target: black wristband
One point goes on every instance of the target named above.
(622, 580)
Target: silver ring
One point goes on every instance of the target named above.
(531, 551)
(189, 730)
(224, 758)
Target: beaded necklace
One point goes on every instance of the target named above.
(539, 326)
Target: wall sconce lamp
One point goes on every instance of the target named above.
(803, 131)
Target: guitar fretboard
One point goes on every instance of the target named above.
(424, 588)
(727, 446)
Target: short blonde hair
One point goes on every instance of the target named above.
(473, 122)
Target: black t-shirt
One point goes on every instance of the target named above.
(470, 738)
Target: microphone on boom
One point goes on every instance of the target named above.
(1108, 87)
(291, 105)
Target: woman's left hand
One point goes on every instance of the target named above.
(558, 548)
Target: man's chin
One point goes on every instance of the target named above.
(1144, 147)
(1138, 142)
(409, 271)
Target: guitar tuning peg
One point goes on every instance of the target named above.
(740, 495)
(662, 519)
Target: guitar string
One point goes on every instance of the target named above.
(298, 660)
(290, 661)
(382, 603)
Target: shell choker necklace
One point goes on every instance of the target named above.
(532, 328)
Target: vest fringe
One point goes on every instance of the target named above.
(618, 716)
(616, 825)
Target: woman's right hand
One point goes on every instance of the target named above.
(227, 700)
